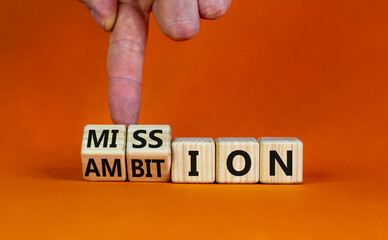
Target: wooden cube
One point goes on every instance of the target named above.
(281, 160)
(149, 153)
(237, 160)
(103, 153)
(193, 160)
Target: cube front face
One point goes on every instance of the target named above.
(103, 153)
(193, 160)
(149, 153)
(237, 160)
(281, 160)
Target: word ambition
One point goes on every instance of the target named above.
(145, 153)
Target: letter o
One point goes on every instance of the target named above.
(248, 163)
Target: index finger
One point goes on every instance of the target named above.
(125, 63)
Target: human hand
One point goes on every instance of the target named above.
(128, 21)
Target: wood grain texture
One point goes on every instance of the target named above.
(225, 147)
(147, 160)
(187, 151)
(285, 148)
(103, 157)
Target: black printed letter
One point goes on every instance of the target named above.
(158, 167)
(148, 163)
(248, 163)
(105, 165)
(138, 167)
(114, 136)
(89, 170)
(159, 141)
(193, 163)
(142, 141)
(273, 155)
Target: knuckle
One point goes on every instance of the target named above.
(128, 44)
(124, 82)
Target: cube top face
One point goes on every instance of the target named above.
(103, 139)
(149, 153)
(165, 128)
(103, 153)
(281, 160)
(237, 160)
(279, 140)
(224, 140)
(148, 140)
(193, 160)
(193, 140)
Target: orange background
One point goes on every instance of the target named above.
(315, 70)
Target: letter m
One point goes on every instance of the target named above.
(106, 166)
(93, 137)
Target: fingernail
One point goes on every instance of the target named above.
(98, 19)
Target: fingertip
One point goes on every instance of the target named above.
(213, 9)
(181, 31)
(178, 20)
(124, 101)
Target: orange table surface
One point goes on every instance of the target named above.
(315, 70)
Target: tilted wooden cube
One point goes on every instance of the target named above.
(281, 160)
(149, 153)
(103, 153)
(193, 160)
(237, 160)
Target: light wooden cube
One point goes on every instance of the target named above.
(281, 160)
(237, 160)
(193, 160)
(149, 153)
(103, 153)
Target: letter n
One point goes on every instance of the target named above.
(273, 155)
